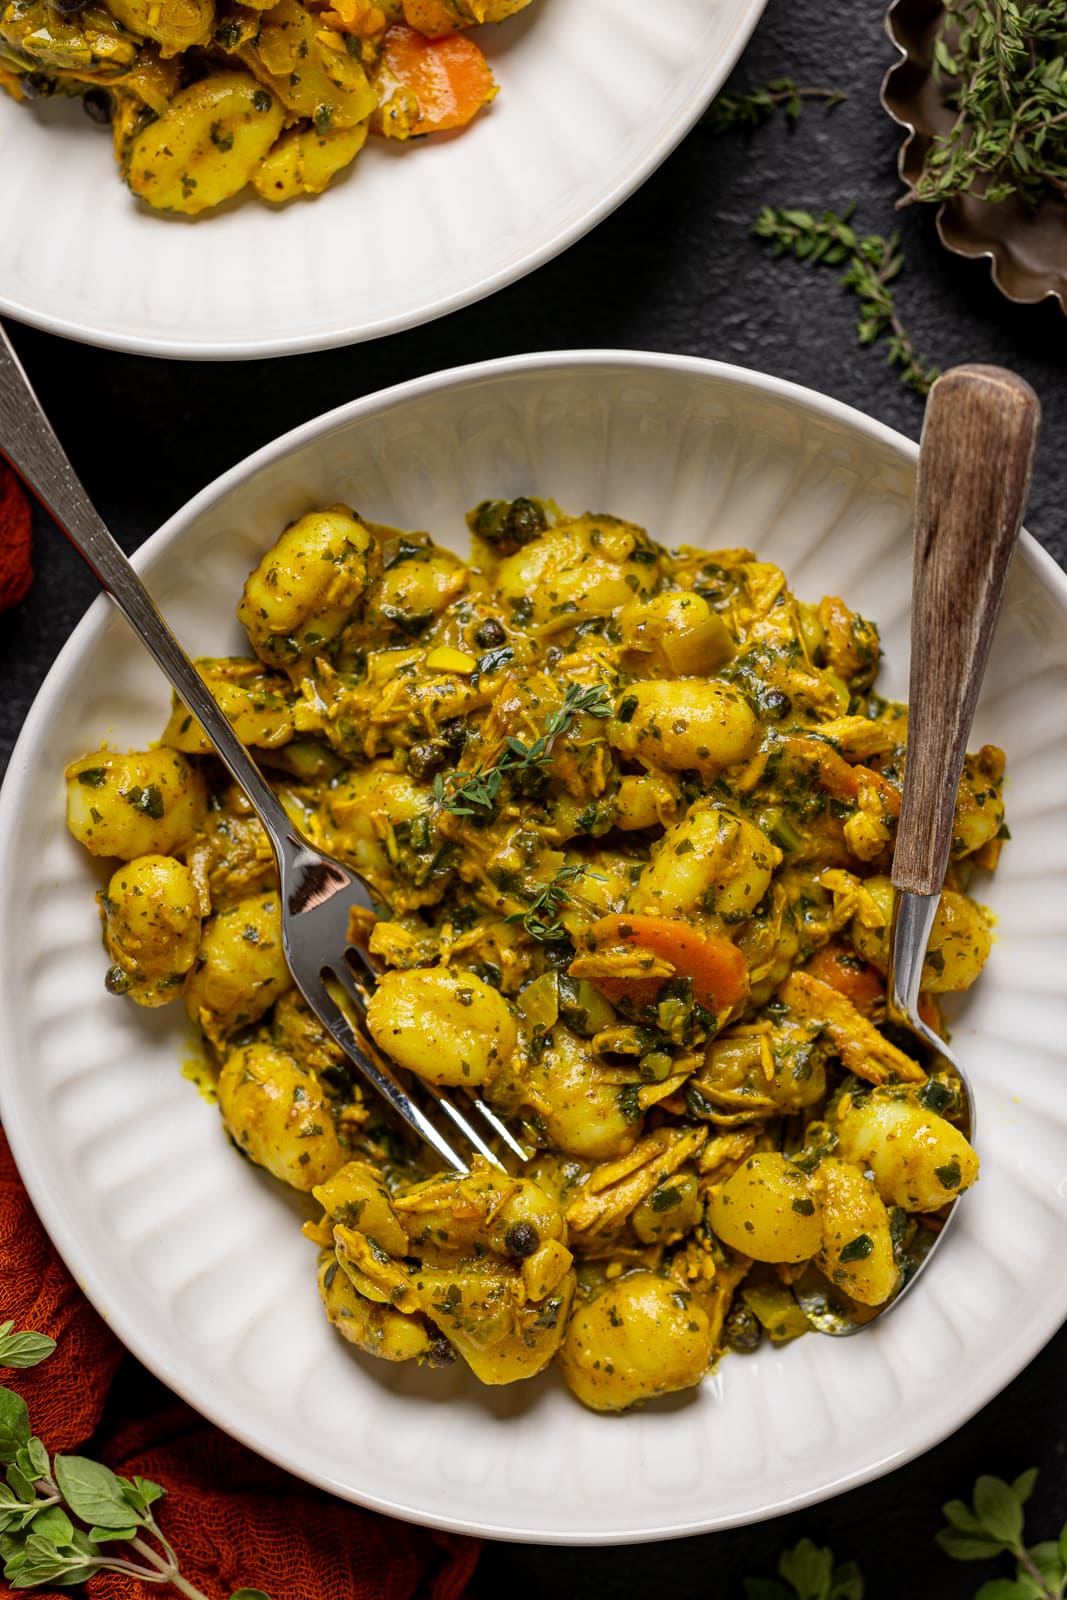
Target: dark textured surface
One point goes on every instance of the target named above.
(676, 269)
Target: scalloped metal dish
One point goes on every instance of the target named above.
(1026, 249)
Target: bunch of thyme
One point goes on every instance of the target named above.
(1006, 66)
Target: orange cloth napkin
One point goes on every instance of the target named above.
(233, 1519)
(16, 571)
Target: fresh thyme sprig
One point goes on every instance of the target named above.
(1007, 69)
(541, 920)
(40, 1542)
(749, 110)
(469, 794)
(871, 264)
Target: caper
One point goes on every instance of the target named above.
(489, 633)
(441, 1353)
(452, 737)
(425, 759)
(521, 1239)
(741, 1330)
(96, 103)
(37, 86)
(526, 520)
(116, 981)
(776, 703)
(507, 524)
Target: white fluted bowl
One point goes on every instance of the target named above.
(593, 95)
(196, 1258)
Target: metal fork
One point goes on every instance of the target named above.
(317, 892)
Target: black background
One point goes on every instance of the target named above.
(677, 269)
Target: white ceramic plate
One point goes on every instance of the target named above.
(593, 95)
(195, 1257)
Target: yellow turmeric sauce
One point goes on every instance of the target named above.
(628, 815)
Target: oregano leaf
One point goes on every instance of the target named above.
(848, 1582)
(18, 1481)
(998, 1509)
(961, 1516)
(93, 1492)
(968, 1546)
(14, 1424)
(105, 1535)
(147, 1491)
(809, 1569)
(25, 1349)
(52, 1522)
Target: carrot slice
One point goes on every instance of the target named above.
(845, 972)
(449, 77)
(715, 967)
(838, 777)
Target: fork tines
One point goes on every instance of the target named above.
(367, 1059)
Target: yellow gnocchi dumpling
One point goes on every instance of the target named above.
(206, 145)
(150, 802)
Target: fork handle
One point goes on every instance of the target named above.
(975, 461)
(30, 445)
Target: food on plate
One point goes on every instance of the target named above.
(208, 97)
(627, 813)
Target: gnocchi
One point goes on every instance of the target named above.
(207, 98)
(628, 816)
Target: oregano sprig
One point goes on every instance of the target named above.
(871, 264)
(730, 111)
(65, 1518)
(992, 1525)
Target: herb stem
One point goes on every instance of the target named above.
(157, 1533)
(1024, 1558)
(731, 111)
(167, 1571)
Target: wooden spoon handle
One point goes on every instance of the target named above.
(975, 460)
